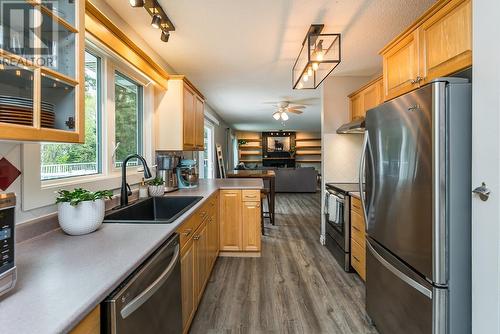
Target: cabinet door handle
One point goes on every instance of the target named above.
(355, 258)
(196, 237)
(187, 232)
(357, 229)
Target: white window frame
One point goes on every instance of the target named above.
(37, 193)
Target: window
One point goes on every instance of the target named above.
(128, 118)
(67, 160)
(206, 157)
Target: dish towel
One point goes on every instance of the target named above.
(333, 209)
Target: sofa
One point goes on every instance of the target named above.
(296, 180)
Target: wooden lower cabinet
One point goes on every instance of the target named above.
(199, 250)
(187, 282)
(358, 235)
(240, 222)
(91, 324)
(250, 226)
(230, 220)
(200, 245)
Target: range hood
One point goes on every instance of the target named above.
(355, 126)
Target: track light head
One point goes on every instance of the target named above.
(136, 3)
(165, 35)
(156, 22)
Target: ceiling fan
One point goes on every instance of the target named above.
(284, 107)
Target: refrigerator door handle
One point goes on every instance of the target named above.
(417, 286)
(361, 173)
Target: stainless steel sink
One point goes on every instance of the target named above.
(154, 210)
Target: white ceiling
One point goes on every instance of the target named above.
(240, 53)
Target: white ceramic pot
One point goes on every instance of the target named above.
(156, 191)
(84, 218)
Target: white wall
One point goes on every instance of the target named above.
(486, 167)
(340, 153)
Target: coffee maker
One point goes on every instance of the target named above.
(166, 169)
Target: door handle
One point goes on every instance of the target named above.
(414, 284)
(483, 192)
(361, 173)
(150, 290)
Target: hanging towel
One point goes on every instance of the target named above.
(333, 209)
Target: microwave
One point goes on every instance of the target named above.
(8, 271)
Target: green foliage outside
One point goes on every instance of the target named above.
(126, 116)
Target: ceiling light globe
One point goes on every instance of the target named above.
(277, 115)
(156, 22)
(136, 3)
(284, 116)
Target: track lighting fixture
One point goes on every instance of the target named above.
(156, 22)
(165, 35)
(136, 3)
(318, 49)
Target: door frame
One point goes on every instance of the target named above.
(486, 167)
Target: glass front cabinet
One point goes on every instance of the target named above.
(42, 70)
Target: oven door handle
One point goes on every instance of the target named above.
(151, 289)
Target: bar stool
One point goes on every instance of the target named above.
(265, 195)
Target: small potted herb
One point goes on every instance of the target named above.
(156, 187)
(81, 211)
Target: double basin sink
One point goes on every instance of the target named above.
(153, 210)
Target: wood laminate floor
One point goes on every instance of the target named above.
(295, 287)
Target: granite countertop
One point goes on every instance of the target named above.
(62, 278)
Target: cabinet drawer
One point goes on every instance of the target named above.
(358, 258)
(357, 228)
(356, 205)
(186, 230)
(251, 195)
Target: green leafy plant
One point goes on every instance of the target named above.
(242, 142)
(157, 181)
(80, 195)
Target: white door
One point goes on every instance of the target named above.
(485, 167)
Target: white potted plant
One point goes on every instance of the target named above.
(81, 211)
(156, 187)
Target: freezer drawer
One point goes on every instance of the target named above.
(398, 300)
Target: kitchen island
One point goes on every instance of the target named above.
(62, 278)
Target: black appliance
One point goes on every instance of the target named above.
(338, 221)
(149, 301)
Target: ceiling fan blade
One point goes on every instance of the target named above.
(306, 101)
(297, 107)
(293, 111)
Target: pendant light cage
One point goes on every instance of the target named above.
(319, 56)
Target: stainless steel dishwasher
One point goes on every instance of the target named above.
(149, 301)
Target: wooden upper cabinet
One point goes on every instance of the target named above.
(181, 110)
(446, 41)
(199, 133)
(189, 118)
(365, 98)
(400, 66)
(356, 106)
(43, 92)
(438, 44)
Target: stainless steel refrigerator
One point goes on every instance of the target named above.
(417, 168)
